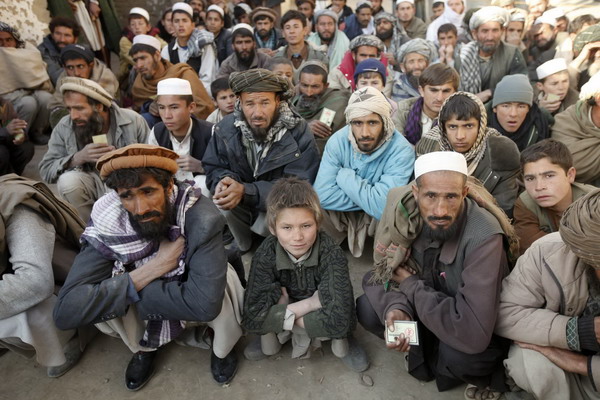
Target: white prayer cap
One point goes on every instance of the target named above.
(489, 14)
(244, 26)
(147, 40)
(441, 161)
(245, 7)
(217, 9)
(363, 3)
(591, 88)
(545, 19)
(551, 67)
(140, 11)
(183, 7)
(517, 15)
(174, 86)
(405, 1)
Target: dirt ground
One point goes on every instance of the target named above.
(184, 373)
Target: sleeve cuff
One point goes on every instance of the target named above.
(132, 294)
(586, 335)
(288, 320)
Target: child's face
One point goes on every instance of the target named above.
(548, 184)
(225, 101)
(284, 70)
(377, 83)
(296, 230)
(139, 26)
(557, 84)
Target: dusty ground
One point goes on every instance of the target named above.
(184, 373)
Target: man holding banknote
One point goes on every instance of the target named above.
(95, 126)
(439, 261)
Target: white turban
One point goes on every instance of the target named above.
(440, 161)
(591, 88)
(489, 14)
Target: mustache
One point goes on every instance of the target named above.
(444, 218)
(150, 214)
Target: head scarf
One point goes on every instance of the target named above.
(591, 88)
(385, 15)
(477, 151)
(421, 46)
(365, 101)
(580, 230)
(259, 80)
(4, 27)
(366, 40)
(489, 14)
(590, 34)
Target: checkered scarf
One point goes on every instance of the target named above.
(4, 27)
(198, 40)
(111, 233)
(470, 75)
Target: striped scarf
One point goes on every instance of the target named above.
(111, 233)
(470, 74)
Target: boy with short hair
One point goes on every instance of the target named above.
(138, 23)
(550, 187)
(223, 98)
(554, 92)
(372, 72)
(299, 284)
(282, 66)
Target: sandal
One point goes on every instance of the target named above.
(472, 392)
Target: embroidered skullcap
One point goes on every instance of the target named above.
(423, 47)
(259, 80)
(216, 9)
(88, 88)
(263, 11)
(440, 161)
(385, 15)
(579, 228)
(328, 13)
(242, 26)
(4, 27)
(140, 11)
(551, 67)
(80, 51)
(137, 155)
(591, 88)
(363, 4)
(366, 40)
(317, 63)
(147, 40)
(589, 34)
(183, 7)
(174, 86)
(367, 100)
(489, 14)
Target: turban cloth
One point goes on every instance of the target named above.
(259, 80)
(421, 46)
(580, 228)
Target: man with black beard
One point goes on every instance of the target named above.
(95, 126)
(547, 40)
(153, 268)
(440, 259)
(245, 56)
(315, 97)
(330, 39)
(261, 141)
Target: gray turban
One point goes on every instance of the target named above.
(366, 40)
(259, 80)
(420, 46)
(385, 15)
(489, 14)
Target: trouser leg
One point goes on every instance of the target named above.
(81, 189)
(239, 221)
(368, 318)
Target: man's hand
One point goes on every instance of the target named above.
(285, 297)
(90, 153)
(190, 164)
(397, 315)
(485, 95)
(319, 129)
(16, 126)
(94, 10)
(549, 105)
(166, 260)
(390, 58)
(401, 273)
(228, 193)
(564, 359)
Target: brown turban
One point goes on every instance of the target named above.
(580, 228)
(137, 156)
(259, 80)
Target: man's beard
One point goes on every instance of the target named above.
(547, 44)
(325, 39)
(153, 231)
(488, 49)
(439, 234)
(412, 79)
(245, 58)
(260, 134)
(385, 35)
(309, 103)
(92, 127)
(263, 33)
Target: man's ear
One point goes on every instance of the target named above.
(415, 191)
(465, 191)
(402, 68)
(421, 91)
(571, 173)
(192, 106)
(539, 86)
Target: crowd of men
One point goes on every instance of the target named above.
(467, 146)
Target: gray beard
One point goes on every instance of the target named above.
(84, 133)
(306, 103)
(488, 49)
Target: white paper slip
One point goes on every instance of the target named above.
(404, 329)
(327, 116)
(100, 139)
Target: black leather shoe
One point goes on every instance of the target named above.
(140, 369)
(223, 369)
